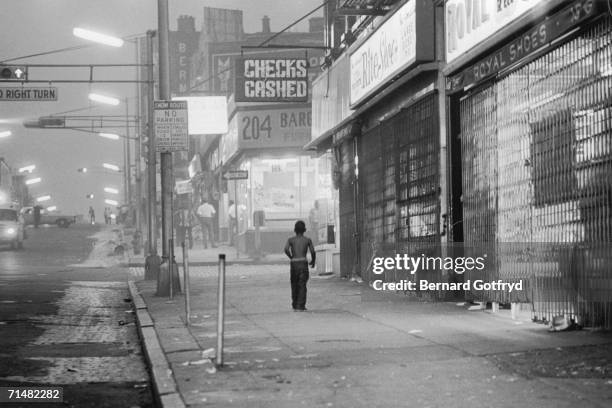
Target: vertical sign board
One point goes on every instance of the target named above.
(271, 80)
(171, 131)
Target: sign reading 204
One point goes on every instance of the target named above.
(254, 127)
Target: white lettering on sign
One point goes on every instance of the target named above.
(273, 80)
(471, 22)
(171, 130)
(389, 50)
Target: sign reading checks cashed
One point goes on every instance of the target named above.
(271, 80)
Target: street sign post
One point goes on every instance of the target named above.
(236, 175)
(170, 122)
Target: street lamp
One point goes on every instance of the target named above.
(111, 190)
(111, 202)
(82, 169)
(105, 99)
(33, 180)
(43, 198)
(112, 136)
(97, 37)
(5, 133)
(111, 167)
(52, 208)
(27, 169)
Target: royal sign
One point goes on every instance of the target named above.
(271, 80)
(472, 22)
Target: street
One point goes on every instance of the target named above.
(65, 324)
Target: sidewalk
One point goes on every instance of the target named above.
(207, 257)
(352, 351)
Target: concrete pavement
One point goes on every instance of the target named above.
(210, 256)
(358, 348)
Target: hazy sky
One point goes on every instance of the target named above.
(32, 26)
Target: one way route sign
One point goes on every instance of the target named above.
(171, 132)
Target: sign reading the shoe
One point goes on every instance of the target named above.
(271, 80)
(401, 41)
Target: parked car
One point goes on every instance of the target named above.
(12, 229)
(46, 217)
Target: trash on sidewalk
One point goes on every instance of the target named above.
(196, 362)
(562, 323)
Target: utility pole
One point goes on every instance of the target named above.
(153, 260)
(163, 282)
(128, 160)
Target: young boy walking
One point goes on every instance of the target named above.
(296, 249)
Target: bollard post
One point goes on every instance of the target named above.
(221, 309)
(171, 265)
(186, 280)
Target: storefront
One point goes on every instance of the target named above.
(377, 106)
(284, 182)
(531, 149)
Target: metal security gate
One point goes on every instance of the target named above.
(347, 186)
(537, 178)
(399, 184)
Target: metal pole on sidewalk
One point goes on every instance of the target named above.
(166, 157)
(152, 262)
(186, 280)
(221, 309)
(171, 267)
(151, 157)
(236, 218)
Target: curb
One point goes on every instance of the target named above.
(212, 263)
(164, 386)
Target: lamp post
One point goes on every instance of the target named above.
(152, 260)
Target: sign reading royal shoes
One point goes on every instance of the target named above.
(401, 41)
(471, 22)
(271, 80)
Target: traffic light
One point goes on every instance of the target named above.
(12, 73)
(82, 169)
(89, 196)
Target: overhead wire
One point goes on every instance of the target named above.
(73, 48)
(262, 44)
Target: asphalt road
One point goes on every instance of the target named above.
(66, 323)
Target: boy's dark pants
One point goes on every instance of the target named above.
(299, 277)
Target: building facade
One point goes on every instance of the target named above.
(496, 141)
(377, 107)
(530, 109)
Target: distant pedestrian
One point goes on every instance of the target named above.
(37, 209)
(297, 248)
(106, 215)
(92, 215)
(206, 212)
(313, 218)
(235, 226)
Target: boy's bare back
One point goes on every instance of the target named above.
(297, 247)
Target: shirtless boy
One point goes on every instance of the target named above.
(296, 249)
